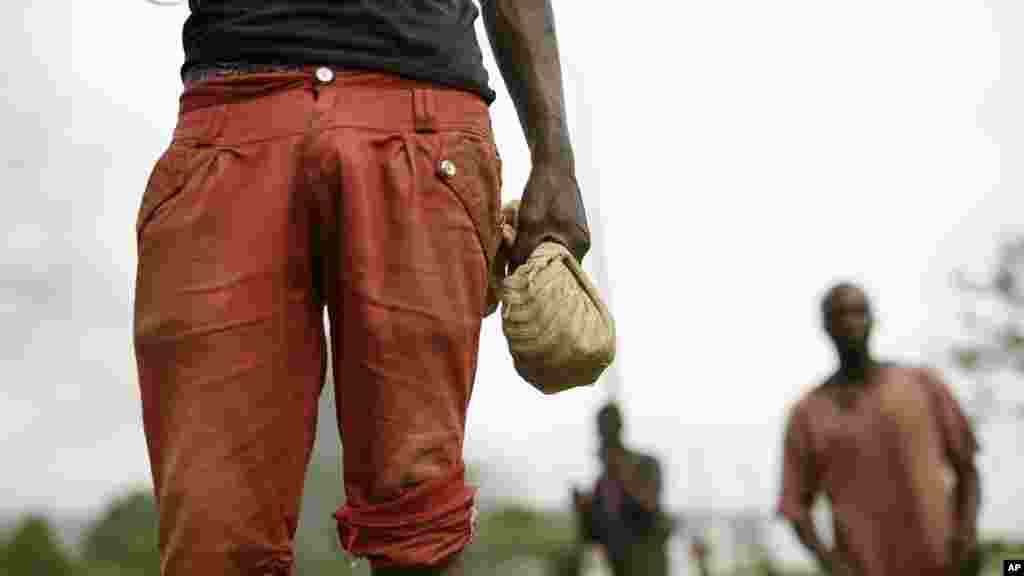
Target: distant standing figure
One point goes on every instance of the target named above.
(876, 438)
(623, 513)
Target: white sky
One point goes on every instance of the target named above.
(745, 154)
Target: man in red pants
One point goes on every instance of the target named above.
(334, 153)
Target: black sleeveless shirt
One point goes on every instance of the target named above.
(430, 40)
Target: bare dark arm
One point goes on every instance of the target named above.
(967, 498)
(522, 36)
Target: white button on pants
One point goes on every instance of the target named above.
(325, 75)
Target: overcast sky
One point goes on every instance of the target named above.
(745, 154)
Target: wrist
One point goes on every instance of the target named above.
(559, 171)
(827, 559)
(965, 533)
(563, 163)
(550, 147)
(961, 543)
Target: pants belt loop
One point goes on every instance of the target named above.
(423, 110)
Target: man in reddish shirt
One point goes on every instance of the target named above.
(876, 438)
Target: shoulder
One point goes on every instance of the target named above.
(928, 375)
(806, 402)
(649, 460)
(919, 375)
(891, 370)
(647, 464)
(807, 412)
(928, 381)
(644, 458)
(936, 385)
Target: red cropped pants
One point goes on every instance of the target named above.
(281, 194)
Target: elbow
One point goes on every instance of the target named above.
(967, 473)
(968, 483)
(650, 503)
(973, 481)
(796, 513)
(799, 520)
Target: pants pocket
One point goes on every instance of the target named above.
(189, 152)
(470, 168)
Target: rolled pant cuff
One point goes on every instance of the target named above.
(424, 527)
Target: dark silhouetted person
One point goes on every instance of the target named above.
(876, 439)
(623, 513)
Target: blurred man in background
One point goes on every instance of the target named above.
(877, 438)
(340, 154)
(623, 514)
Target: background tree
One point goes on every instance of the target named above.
(33, 549)
(994, 321)
(123, 540)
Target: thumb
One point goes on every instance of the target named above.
(510, 213)
(508, 236)
(509, 223)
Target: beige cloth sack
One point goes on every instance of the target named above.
(559, 331)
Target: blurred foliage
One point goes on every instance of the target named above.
(766, 565)
(124, 539)
(994, 320)
(33, 549)
(517, 530)
(995, 551)
(992, 554)
(122, 542)
(512, 532)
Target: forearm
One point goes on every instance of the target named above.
(522, 36)
(968, 498)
